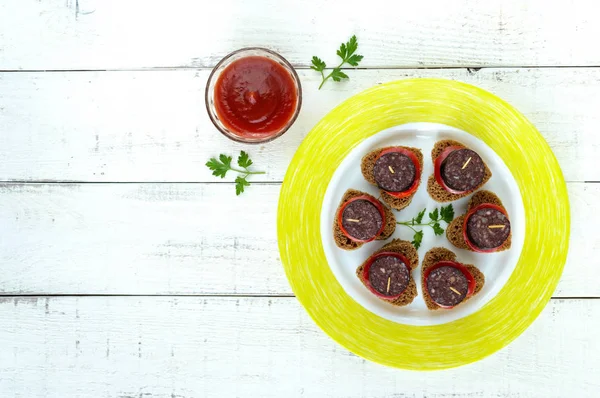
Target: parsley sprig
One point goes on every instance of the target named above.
(221, 166)
(346, 53)
(445, 213)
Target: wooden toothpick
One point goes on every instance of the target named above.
(466, 163)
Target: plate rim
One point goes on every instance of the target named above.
(464, 340)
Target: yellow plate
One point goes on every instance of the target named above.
(522, 149)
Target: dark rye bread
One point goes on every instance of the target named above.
(436, 255)
(409, 251)
(436, 191)
(454, 231)
(342, 241)
(368, 163)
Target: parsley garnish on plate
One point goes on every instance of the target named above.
(221, 166)
(445, 213)
(346, 53)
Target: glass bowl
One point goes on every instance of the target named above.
(210, 94)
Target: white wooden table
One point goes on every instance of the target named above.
(120, 277)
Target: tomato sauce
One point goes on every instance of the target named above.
(255, 97)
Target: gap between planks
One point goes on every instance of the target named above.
(73, 182)
(470, 68)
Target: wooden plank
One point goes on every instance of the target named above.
(185, 239)
(152, 126)
(258, 347)
(112, 34)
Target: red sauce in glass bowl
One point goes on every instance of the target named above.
(255, 97)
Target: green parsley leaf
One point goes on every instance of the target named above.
(338, 75)
(437, 229)
(354, 60)
(221, 166)
(240, 183)
(226, 160)
(318, 64)
(346, 53)
(419, 216)
(417, 239)
(434, 215)
(342, 51)
(352, 45)
(219, 169)
(447, 213)
(244, 160)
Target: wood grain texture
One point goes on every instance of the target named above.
(200, 239)
(153, 126)
(112, 34)
(133, 347)
(185, 239)
(140, 239)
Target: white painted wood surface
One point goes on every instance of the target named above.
(175, 239)
(186, 347)
(103, 191)
(152, 126)
(116, 34)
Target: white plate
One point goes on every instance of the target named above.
(497, 267)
